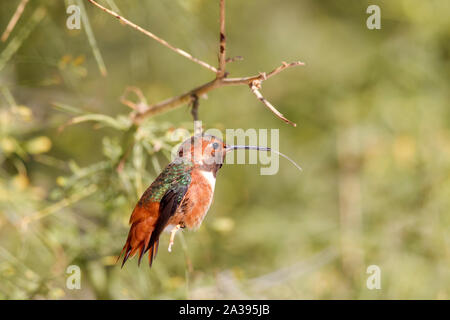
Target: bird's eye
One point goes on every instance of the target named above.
(215, 145)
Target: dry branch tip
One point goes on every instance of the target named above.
(142, 110)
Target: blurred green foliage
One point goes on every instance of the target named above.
(373, 138)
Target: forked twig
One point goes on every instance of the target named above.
(185, 98)
(221, 80)
(255, 86)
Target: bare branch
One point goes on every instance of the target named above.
(262, 76)
(284, 65)
(12, 23)
(177, 101)
(142, 110)
(185, 98)
(154, 37)
(222, 42)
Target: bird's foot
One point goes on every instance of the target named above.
(172, 236)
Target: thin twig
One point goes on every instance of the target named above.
(222, 42)
(221, 80)
(12, 23)
(284, 66)
(185, 98)
(255, 86)
(154, 37)
(174, 102)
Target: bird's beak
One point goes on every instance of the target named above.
(229, 148)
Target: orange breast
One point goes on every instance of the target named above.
(196, 202)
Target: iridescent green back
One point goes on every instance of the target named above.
(177, 173)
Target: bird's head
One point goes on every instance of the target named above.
(208, 150)
(203, 150)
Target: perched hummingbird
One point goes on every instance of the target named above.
(179, 197)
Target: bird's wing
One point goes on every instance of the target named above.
(167, 208)
(158, 203)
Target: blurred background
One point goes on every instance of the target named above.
(373, 138)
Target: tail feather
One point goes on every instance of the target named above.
(153, 252)
(144, 233)
(141, 251)
(133, 245)
(126, 256)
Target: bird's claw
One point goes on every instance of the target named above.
(172, 236)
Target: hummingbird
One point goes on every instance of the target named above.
(179, 197)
